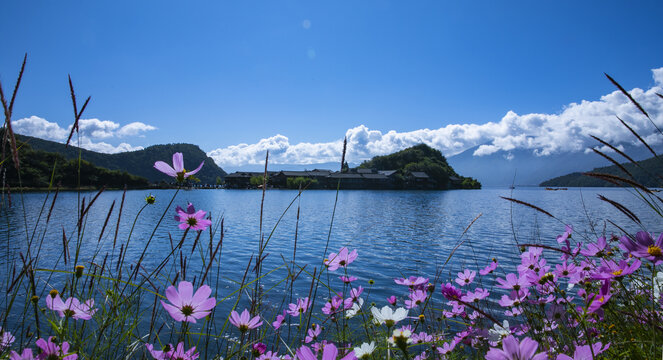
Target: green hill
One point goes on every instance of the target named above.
(138, 162)
(37, 167)
(646, 174)
(425, 159)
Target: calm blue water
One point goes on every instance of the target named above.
(397, 233)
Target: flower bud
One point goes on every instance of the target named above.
(79, 270)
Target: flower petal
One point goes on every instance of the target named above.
(178, 162)
(189, 173)
(173, 296)
(185, 289)
(165, 168)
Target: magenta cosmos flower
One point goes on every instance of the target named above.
(187, 306)
(165, 353)
(192, 219)
(514, 350)
(177, 170)
(71, 307)
(644, 246)
(584, 352)
(342, 259)
(329, 352)
(298, 308)
(244, 322)
(51, 350)
(25, 355)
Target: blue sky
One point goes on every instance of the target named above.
(222, 74)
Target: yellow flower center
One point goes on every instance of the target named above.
(191, 221)
(617, 273)
(654, 250)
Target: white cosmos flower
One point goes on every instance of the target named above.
(658, 285)
(400, 336)
(356, 306)
(365, 350)
(388, 316)
(499, 332)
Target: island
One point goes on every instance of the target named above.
(416, 168)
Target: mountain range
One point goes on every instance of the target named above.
(140, 162)
(524, 168)
(502, 168)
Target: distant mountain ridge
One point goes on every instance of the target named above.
(649, 174)
(140, 162)
(523, 167)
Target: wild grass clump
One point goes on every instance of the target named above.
(579, 299)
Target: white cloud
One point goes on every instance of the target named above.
(543, 134)
(38, 127)
(90, 130)
(135, 129)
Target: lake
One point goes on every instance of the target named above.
(396, 233)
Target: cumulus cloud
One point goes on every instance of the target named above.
(543, 134)
(90, 132)
(38, 127)
(135, 129)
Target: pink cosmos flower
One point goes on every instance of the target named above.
(180, 354)
(567, 233)
(6, 340)
(187, 306)
(71, 307)
(177, 170)
(300, 307)
(412, 281)
(514, 350)
(164, 354)
(489, 269)
(342, 259)
(644, 246)
(331, 306)
(565, 269)
(466, 277)
(609, 269)
(447, 347)
(392, 300)
(416, 298)
(244, 322)
(270, 356)
(279, 320)
(421, 337)
(512, 282)
(347, 279)
(515, 298)
(26, 355)
(584, 352)
(597, 249)
(312, 334)
(329, 352)
(192, 219)
(596, 301)
(478, 294)
(50, 349)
